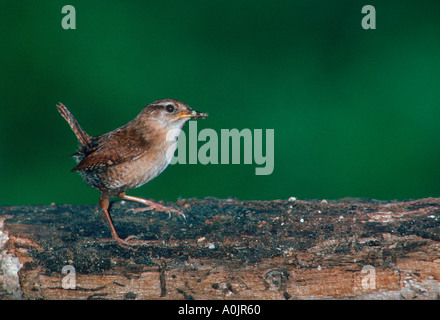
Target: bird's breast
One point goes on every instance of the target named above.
(133, 174)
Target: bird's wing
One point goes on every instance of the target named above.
(116, 147)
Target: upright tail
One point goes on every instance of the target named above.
(83, 137)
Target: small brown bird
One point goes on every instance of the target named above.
(132, 155)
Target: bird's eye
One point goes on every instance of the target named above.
(170, 108)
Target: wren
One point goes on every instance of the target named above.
(132, 155)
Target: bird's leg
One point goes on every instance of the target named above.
(150, 205)
(104, 204)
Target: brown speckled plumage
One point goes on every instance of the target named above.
(131, 155)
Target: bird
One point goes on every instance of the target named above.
(131, 155)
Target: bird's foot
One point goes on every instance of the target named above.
(150, 205)
(158, 207)
(129, 242)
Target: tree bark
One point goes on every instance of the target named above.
(224, 249)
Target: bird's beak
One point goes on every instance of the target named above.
(192, 114)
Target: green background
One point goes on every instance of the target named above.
(355, 112)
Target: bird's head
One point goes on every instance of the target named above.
(169, 114)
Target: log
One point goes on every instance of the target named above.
(224, 249)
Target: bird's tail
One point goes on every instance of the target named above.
(83, 137)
